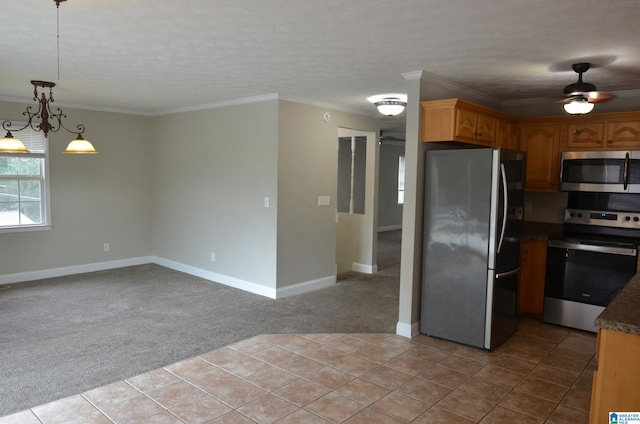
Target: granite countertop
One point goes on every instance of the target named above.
(623, 313)
(540, 230)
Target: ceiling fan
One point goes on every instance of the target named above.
(581, 95)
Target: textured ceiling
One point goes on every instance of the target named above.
(154, 56)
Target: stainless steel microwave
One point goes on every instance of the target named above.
(602, 171)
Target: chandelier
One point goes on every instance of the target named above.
(11, 144)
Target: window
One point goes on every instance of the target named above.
(24, 186)
(401, 180)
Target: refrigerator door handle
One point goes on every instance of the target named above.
(509, 273)
(503, 174)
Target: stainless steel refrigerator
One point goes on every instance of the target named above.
(473, 220)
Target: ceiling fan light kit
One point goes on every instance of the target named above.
(582, 95)
(578, 106)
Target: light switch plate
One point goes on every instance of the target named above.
(324, 200)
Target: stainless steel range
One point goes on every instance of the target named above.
(594, 258)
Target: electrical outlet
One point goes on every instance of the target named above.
(106, 247)
(213, 257)
(266, 202)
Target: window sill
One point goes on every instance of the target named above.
(25, 228)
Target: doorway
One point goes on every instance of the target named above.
(356, 208)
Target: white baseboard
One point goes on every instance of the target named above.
(21, 277)
(248, 286)
(408, 330)
(364, 268)
(305, 287)
(226, 280)
(218, 278)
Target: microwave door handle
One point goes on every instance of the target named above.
(625, 177)
(503, 175)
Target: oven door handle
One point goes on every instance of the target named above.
(592, 248)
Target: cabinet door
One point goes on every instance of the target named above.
(623, 134)
(585, 136)
(506, 135)
(543, 157)
(466, 123)
(486, 130)
(533, 255)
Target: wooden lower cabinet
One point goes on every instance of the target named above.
(616, 381)
(533, 254)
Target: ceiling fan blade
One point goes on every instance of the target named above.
(598, 96)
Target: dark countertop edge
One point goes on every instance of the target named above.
(623, 313)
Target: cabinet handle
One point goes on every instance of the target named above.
(599, 141)
(610, 141)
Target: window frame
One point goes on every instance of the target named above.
(45, 190)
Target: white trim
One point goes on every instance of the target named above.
(218, 278)
(226, 280)
(22, 277)
(390, 228)
(364, 268)
(306, 287)
(407, 330)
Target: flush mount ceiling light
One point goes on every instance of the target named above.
(389, 104)
(11, 144)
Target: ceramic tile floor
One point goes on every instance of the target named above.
(542, 374)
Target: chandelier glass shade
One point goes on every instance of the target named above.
(50, 121)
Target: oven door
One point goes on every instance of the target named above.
(582, 278)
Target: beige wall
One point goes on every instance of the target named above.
(95, 199)
(175, 188)
(212, 170)
(307, 168)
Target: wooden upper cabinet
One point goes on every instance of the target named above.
(604, 135)
(541, 142)
(474, 127)
(623, 134)
(458, 120)
(507, 135)
(585, 136)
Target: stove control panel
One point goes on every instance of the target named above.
(602, 218)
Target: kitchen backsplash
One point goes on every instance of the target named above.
(545, 207)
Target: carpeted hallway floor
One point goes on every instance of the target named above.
(70, 334)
